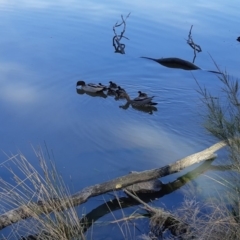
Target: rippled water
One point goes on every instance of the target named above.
(47, 46)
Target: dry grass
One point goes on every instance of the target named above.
(27, 184)
(209, 220)
(214, 219)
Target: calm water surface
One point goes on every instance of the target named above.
(47, 46)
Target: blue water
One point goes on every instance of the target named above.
(47, 46)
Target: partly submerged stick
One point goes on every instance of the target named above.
(31, 209)
(178, 63)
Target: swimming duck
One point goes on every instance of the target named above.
(141, 94)
(91, 94)
(91, 87)
(119, 92)
(111, 92)
(140, 102)
(112, 85)
(103, 85)
(112, 88)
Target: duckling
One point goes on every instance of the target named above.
(91, 87)
(112, 88)
(141, 94)
(103, 85)
(140, 102)
(119, 92)
(112, 85)
(111, 92)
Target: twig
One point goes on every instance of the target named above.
(119, 47)
(168, 220)
(193, 45)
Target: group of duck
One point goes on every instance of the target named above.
(142, 100)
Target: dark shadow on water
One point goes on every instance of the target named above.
(100, 94)
(148, 109)
(238, 39)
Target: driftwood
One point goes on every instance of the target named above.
(178, 63)
(30, 209)
(175, 63)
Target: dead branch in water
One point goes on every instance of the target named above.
(31, 209)
(119, 47)
(193, 45)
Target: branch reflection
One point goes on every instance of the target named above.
(125, 202)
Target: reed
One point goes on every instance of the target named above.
(28, 184)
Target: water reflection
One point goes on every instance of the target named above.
(38, 102)
(126, 201)
(148, 109)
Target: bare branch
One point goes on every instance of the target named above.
(119, 47)
(193, 45)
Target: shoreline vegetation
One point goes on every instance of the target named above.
(38, 205)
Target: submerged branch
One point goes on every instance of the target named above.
(193, 45)
(119, 47)
(159, 215)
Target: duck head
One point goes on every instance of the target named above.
(81, 83)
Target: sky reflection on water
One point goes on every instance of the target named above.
(47, 46)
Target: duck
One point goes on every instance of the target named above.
(91, 87)
(112, 85)
(141, 94)
(119, 92)
(91, 94)
(140, 102)
(112, 88)
(103, 85)
(121, 89)
(111, 92)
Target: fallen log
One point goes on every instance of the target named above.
(31, 209)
